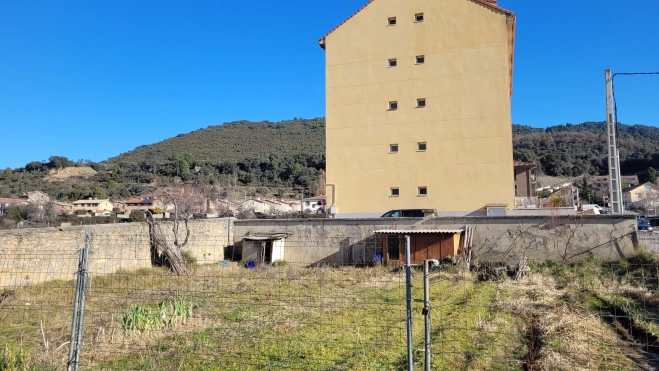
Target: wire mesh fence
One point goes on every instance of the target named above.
(277, 311)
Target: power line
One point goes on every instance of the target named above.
(615, 104)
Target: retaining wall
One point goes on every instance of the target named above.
(30, 256)
(505, 239)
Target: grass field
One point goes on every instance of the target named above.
(587, 316)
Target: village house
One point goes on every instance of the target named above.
(7, 203)
(278, 207)
(314, 205)
(601, 183)
(419, 107)
(256, 205)
(224, 206)
(36, 197)
(120, 205)
(142, 204)
(103, 213)
(91, 205)
(645, 193)
(525, 179)
(62, 208)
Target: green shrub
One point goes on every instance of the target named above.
(189, 260)
(137, 216)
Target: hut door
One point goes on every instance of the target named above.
(267, 252)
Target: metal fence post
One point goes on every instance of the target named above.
(408, 284)
(426, 314)
(79, 308)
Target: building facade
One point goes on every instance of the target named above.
(647, 193)
(36, 197)
(601, 184)
(418, 107)
(92, 206)
(525, 179)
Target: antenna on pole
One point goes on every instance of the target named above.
(615, 187)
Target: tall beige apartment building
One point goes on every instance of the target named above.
(419, 107)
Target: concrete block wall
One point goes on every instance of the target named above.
(557, 238)
(649, 240)
(32, 256)
(325, 241)
(502, 239)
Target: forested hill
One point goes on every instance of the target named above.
(290, 155)
(235, 141)
(573, 150)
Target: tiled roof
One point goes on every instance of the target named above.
(418, 231)
(523, 164)
(90, 201)
(629, 189)
(12, 201)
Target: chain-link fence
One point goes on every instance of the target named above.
(269, 313)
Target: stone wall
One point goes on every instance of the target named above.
(325, 241)
(506, 239)
(37, 255)
(558, 238)
(31, 256)
(649, 240)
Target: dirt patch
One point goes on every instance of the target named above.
(69, 172)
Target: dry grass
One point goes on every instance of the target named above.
(290, 317)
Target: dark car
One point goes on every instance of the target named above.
(408, 213)
(644, 226)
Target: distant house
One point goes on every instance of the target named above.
(103, 213)
(295, 206)
(62, 208)
(279, 207)
(7, 203)
(91, 205)
(314, 205)
(143, 204)
(525, 179)
(256, 206)
(228, 206)
(121, 205)
(601, 183)
(36, 197)
(641, 193)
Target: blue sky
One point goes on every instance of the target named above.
(92, 79)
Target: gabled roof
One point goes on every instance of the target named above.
(630, 189)
(489, 3)
(511, 24)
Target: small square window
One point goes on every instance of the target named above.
(391, 21)
(395, 192)
(393, 106)
(421, 102)
(393, 62)
(421, 146)
(423, 191)
(420, 59)
(418, 17)
(393, 148)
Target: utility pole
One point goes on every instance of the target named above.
(615, 197)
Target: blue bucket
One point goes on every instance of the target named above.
(251, 265)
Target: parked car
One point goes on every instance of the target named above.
(644, 226)
(642, 217)
(408, 213)
(596, 208)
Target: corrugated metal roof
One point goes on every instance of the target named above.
(266, 237)
(418, 231)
